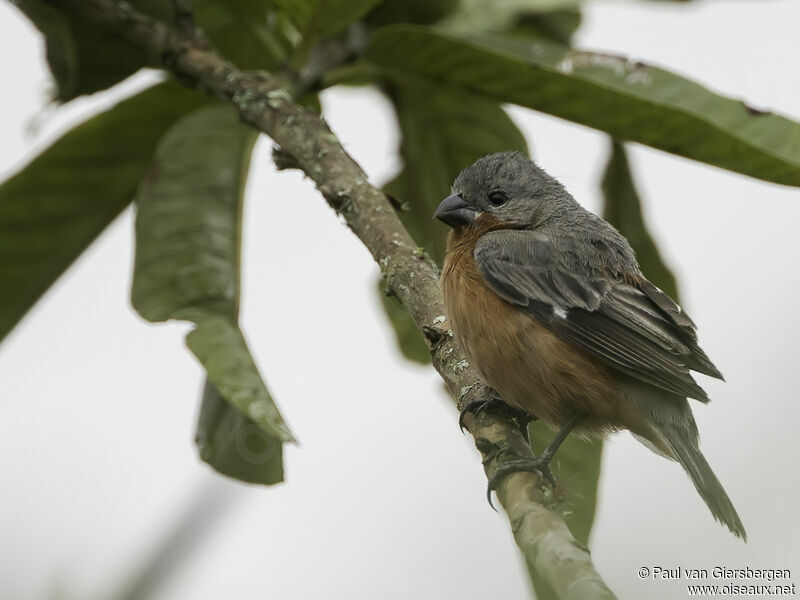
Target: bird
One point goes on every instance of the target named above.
(550, 306)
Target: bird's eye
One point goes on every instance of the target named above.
(497, 198)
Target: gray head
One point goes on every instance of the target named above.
(509, 187)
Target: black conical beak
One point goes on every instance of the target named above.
(454, 211)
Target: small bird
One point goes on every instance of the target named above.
(550, 306)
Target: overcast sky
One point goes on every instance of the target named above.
(384, 497)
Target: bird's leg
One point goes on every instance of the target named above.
(487, 400)
(539, 464)
(548, 453)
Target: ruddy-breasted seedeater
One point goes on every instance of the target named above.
(550, 306)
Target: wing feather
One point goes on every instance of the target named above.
(637, 330)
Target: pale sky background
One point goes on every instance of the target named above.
(385, 497)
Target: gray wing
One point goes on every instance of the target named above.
(635, 329)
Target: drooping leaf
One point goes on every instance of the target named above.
(188, 236)
(622, 208)
(188, 219)
(630, 100)
(324, 17)
(220, 347)
(60, 48)
(85, 58)
(54, 207)
(234, 445)
(442, 133)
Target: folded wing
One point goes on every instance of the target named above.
(633, 327)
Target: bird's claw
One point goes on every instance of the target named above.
(475, 405)
(491, 402)
(539, 465)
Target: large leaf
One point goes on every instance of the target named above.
(188, 236)
(324, 17)
(630, 100)
(499, 15)
(85, 58)
(54, 207)
(220, 347)
(188, 219)
(622, 208)
(442, 133)
(242, 32)
(234, 445)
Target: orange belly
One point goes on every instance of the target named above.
(529, 367)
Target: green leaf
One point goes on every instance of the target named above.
(220, 347)
(423, 12)
(630, 100)
(188, 219)
(82, 57)
(480, 16)
(324, 17)
(54, 207)
(623, 210)
(234, 445)
(242, 32)
(60, 48)
(188, 237)
(442, 133)
(557, 26)
(255, 11)
(409, 339)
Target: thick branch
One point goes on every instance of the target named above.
(265, 102)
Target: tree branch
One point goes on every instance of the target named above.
(265, 102)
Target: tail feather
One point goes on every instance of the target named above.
(687, 451)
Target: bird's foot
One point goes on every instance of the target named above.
(539, 465)
(490, 401)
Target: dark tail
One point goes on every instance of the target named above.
(688, 453)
